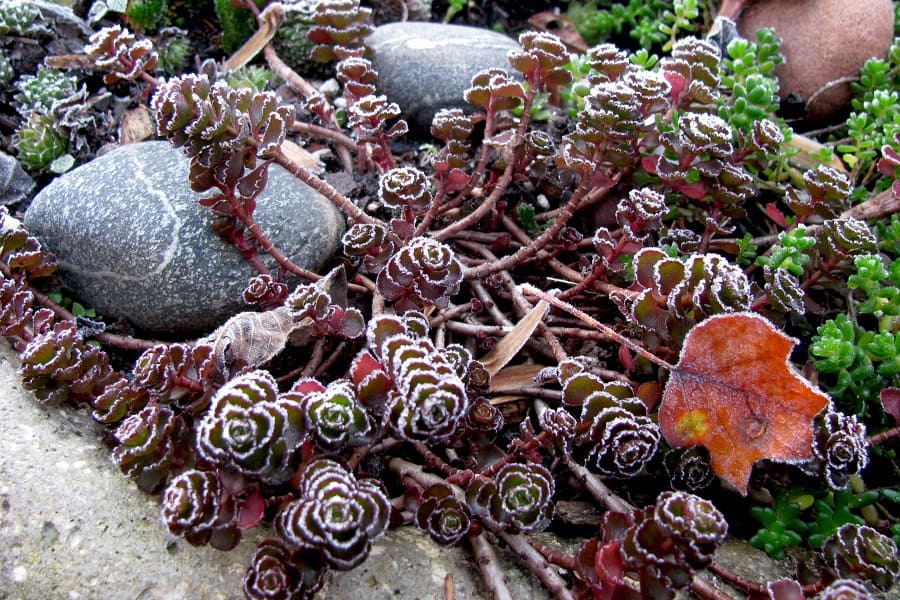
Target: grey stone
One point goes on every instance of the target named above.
(15, 183)
(72, 526)
(425, 67)
(134, 242)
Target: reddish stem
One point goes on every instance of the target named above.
(884, 436)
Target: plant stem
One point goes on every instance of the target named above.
(528, 251)
(612, 333)
(124, 342)
(491, 572)
(598, 489)
(537, 564)
(884, 436)
(500, 188)
(706, 590)
(266, 244)
(321, 186)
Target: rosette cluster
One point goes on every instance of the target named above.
(839, 447)
(333, 415)
(335, 514)
(614, 436)
(221, 129)
(859, 552)
(114, 50)
(670, 540)
(517, 499)
(277, 571)
(613, 118)
(57, 365)
(442, 515)
(422, 272)
(148, 445)
(197, 507)
(252, 429)
(405, 189)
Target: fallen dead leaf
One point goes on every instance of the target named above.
(734, 392)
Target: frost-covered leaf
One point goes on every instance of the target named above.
(734, 392)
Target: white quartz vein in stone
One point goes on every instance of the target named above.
(170, 251)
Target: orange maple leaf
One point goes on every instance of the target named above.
(734, 392)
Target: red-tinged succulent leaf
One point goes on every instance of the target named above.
(734, 393)
(251, 511)
(890, 402)
(785, 589)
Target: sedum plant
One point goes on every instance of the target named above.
(602, 304)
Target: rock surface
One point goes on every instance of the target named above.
(72, 526)
(824, 43)
(15, 183)
(425, 67)
(133, 241)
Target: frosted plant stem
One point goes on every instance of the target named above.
(493, 576)
(341, 201)
(598, 489)
(612, 333)
(538, 565)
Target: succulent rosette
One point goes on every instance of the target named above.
(614, 436)
(423, 272)
(560, 426)
(405, 188)
(171, 370)
(370, 243)
(839, 447)
(250, 429)
(442, 516)
(429, 399)
(57, 365)
(689, 469)
(335, 514)
(845, 589)
(148, 445)
(196, 506)
(333, 415)
(541, 59)
(277, 572)
(517, 499)
(640, 213)
(860, 552)
(115, 50)
(668, 541)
